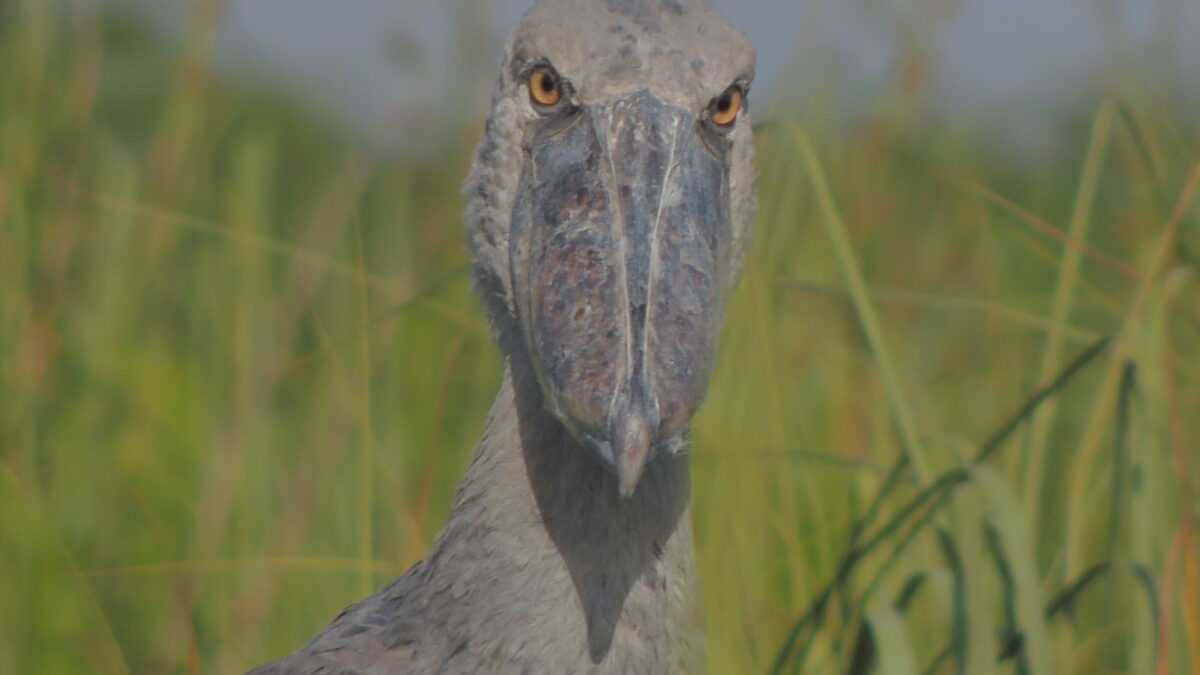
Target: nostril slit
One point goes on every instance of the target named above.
(580, 313)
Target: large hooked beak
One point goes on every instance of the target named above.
(618, 233)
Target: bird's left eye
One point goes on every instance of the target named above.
(724, 109)
(545, 89)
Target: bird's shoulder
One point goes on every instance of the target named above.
(379, 629)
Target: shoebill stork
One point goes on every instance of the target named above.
(608, 208)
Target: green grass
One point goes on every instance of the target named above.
(241, 370)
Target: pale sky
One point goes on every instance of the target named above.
(370, 62)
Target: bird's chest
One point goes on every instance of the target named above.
(554, 620)
(537, 606)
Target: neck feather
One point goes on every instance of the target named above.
(617, 573)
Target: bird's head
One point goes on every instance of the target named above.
(608, 209)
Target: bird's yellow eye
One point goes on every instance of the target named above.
(724, 108)
(544, 87)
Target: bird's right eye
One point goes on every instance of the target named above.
(545, 88)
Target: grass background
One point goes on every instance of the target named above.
(241, 371)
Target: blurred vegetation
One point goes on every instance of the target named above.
(952, 427)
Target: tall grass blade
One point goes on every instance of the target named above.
(959, 620)
(1141, 144)
(981, 588)
(1031, 405)
(835, 228)
(1013, 551)
(1064, 293)
(1117, 501)
(1081, 474)
(893, 644)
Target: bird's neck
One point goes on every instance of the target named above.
(620, 571)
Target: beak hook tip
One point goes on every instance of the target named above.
(631, 440)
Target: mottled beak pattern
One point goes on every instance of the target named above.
(619, 228)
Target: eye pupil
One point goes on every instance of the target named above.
(724, 103)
